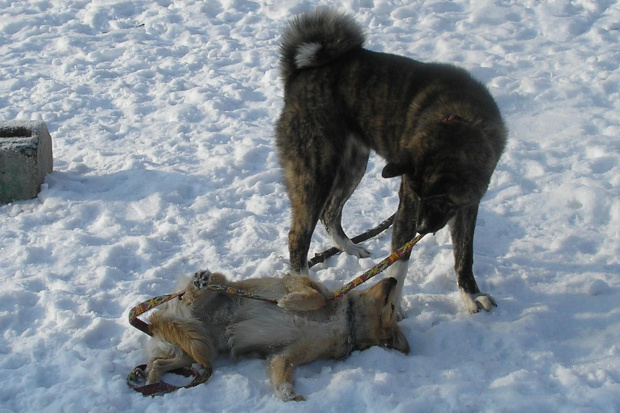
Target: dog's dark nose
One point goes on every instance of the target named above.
(431, 221)
(388, 285)
(427, 227)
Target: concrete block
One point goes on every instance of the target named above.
(25, 159)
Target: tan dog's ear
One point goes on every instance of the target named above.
(398, 341)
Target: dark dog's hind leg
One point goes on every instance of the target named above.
(350, 173)
(307, 203)
(310, 160)
(462, 230)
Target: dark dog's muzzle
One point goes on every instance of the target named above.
(431, 219)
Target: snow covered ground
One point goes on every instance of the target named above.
(162, 114)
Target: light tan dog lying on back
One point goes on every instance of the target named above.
(303, 327)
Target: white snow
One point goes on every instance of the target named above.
(161, 114)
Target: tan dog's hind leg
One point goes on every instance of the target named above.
(281, 368)
(157, 367)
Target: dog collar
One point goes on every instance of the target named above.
(453, 117)
(351, 328)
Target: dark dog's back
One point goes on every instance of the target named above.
(352, 86)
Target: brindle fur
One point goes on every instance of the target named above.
(438, 129)
(303, 327)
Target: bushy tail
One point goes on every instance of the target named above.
(316, 38)
(187, 334)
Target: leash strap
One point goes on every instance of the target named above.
(146, 306)
(151, 303)
(386, 262)
(240, 293)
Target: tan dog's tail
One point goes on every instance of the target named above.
(187, 334)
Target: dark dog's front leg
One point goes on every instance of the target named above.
(404, 230)
(462, 230)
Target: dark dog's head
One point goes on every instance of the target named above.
(444, 171)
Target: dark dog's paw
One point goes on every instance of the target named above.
(350, 248)
(359, 251)
(201, 279)
(476, 302)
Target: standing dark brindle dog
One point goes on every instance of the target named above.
(437, 128)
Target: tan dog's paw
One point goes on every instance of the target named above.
(287, 393)
(201, 279)
(302, 301)
(302, 295)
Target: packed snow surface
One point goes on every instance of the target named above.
(162, 113)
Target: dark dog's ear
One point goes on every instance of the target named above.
(393, 169)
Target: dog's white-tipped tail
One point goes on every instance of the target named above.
(316, 38)
(306, 54)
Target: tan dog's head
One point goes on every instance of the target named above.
(375, 318)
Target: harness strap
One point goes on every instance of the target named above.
(453, 117)
(351, 325)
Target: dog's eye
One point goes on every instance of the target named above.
(442, 204)
(449, 206)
